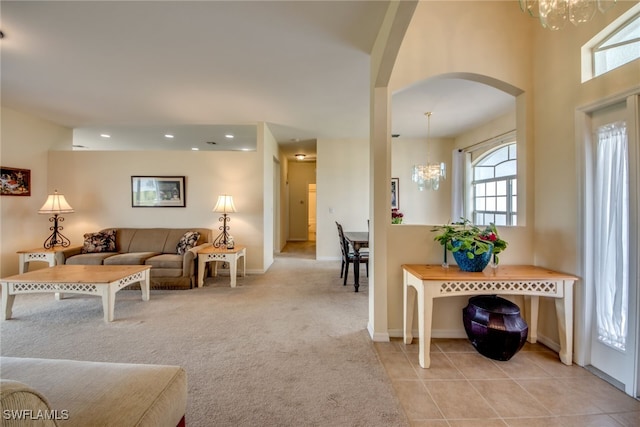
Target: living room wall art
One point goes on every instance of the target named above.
(158, 192)
(15, 182)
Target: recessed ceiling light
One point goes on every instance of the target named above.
(168, 135)
(300, 156)
(228, 135)
(246, 149)
(105, 135)
(195, 149)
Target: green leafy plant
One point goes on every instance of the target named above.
(464, 236)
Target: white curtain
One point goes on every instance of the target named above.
(459, 159)
(611, 263)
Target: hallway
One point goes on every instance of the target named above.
(299, 249)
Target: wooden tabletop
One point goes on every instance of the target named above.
(214, 250)
(357, 236)
(77, 274)
(41, 250)
(503, 272)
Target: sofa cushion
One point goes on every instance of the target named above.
(187, 241)
(102, 241)
(89, 259)
(165, 261)
(162, 240)
(105, 394)
(133, 258)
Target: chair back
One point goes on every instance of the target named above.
(344, 244)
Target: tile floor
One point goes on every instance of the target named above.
(464, 388)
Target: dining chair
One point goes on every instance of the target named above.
(348, 255)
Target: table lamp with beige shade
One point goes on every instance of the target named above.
(55, 205)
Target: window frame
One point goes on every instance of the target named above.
(511, 212)
(589, 49)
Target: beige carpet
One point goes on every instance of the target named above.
(288, 348)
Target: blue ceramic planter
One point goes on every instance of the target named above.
(478, 263)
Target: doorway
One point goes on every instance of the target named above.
(312, 213)
(611, 192)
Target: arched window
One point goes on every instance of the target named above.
(494, 187)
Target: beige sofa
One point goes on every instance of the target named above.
(47, 392)
(156, 247)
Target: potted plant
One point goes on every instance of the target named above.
(396, 216)
(471, 245)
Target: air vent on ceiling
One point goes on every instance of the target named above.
(211, 142)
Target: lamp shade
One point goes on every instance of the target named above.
(225, 204)
(55, 204)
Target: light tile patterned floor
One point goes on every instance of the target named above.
(463, 388)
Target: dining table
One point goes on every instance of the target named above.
(358, 240)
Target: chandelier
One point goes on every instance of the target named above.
(428, 175)
(554, 14)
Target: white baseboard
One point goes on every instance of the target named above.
(436, 333)
(226, 272)
(460, 333)
(377, 336)
(549, 343)
(327, 258)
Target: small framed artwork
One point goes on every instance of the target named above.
(395, 193)
(158, 192)
(15, 182)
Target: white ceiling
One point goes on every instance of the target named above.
(199, 69)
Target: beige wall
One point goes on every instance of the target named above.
(496, 40)
(267, 151)
(342, 191)
(98, 186)
(490, 41)
(25, 143)
(558, 93)
(421, 207)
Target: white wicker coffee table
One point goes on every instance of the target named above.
(98, 280)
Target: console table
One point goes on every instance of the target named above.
(434, 281)
(211, 253)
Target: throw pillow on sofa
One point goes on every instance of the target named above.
(102, 241)
(187, 242)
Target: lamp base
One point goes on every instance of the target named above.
(224, 240)
(56, 238)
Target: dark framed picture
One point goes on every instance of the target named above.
(158, 192)
(395, 193)
(15, 182)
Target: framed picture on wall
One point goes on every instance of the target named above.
(15, 182)
(158, 192)
(395, 193)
